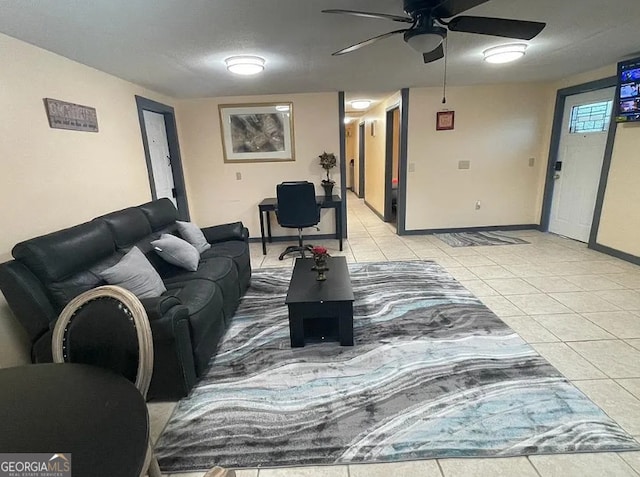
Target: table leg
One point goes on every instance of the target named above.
(339, 223)
(269, 226)
(296, 330)
(264, 245)
(345, 324)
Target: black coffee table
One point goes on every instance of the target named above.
(320, 310)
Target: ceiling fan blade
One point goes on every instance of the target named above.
(451, 8)
(364, 43)
(519, 29)
(382, 16)
(434, 55)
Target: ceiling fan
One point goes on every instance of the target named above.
(429, 28)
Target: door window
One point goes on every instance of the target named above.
(590, 118)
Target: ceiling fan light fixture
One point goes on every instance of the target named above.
(504, 53)
(424, 42)
(360, 103)
(245, 65)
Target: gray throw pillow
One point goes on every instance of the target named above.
(136, 274)
(177, 251)
(192, 234)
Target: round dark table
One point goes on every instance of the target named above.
(97, 416)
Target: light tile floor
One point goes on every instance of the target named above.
(580, 309)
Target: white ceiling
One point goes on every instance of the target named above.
(177, 47)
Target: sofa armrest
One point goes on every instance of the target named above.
(221, 233)
(157, 307)
(27, 298)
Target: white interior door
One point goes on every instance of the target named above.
(160, 157)
(585, 124)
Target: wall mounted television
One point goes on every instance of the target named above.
(628, 92)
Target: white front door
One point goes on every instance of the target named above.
(585, 125)
(159, 153)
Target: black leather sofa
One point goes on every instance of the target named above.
(187, 321)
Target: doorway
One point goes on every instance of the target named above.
(361, 139)
(392, 164)
(578, 167)
(162, 153)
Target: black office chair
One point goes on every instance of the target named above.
(297, 208)
(108, 327)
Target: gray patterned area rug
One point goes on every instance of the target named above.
(474, 239)
(433, 374)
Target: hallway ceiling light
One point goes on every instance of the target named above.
(245, 65)
(504, 53)
(360, 103)
(347, 120)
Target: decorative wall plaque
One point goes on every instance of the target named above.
(63, 115)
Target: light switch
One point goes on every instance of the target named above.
(238, 176)
(532, 161)
(464, 164)
(412, 167)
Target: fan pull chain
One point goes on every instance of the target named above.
(444, 83)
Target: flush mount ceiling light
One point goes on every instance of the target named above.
(347, 120)
(245, 65)
(360, 104)
(504, 53)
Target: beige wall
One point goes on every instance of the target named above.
(215, 196)
(498, 128)
(53, 178)
(375, 153)
(620, 219)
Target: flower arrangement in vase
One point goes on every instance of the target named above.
(327, 162)
(320, 255)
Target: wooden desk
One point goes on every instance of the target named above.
(95, 415)
(269, 204)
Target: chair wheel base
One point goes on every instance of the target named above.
(293, 249)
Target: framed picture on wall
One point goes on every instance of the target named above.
(445, 120)
(257, 132)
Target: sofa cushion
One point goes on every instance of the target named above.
(177, 252)
(192, 234)
(236, 250)
(127, 226)
(223, 272)
(198, 296)
(135, 273)
(66, 290)
(60, 254)
(160, 213)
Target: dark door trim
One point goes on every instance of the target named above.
(145, 104)
(343, 162)
(401, 202)
(361, 151)
(388, 164)
(554, 150)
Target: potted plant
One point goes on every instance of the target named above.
(328, 161)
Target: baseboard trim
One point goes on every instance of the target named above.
(288, 238)
(380, 216)
(489, 228)
(627, 257)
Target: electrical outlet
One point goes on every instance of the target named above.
(532, 161)
(478, 205)
(238, 176)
